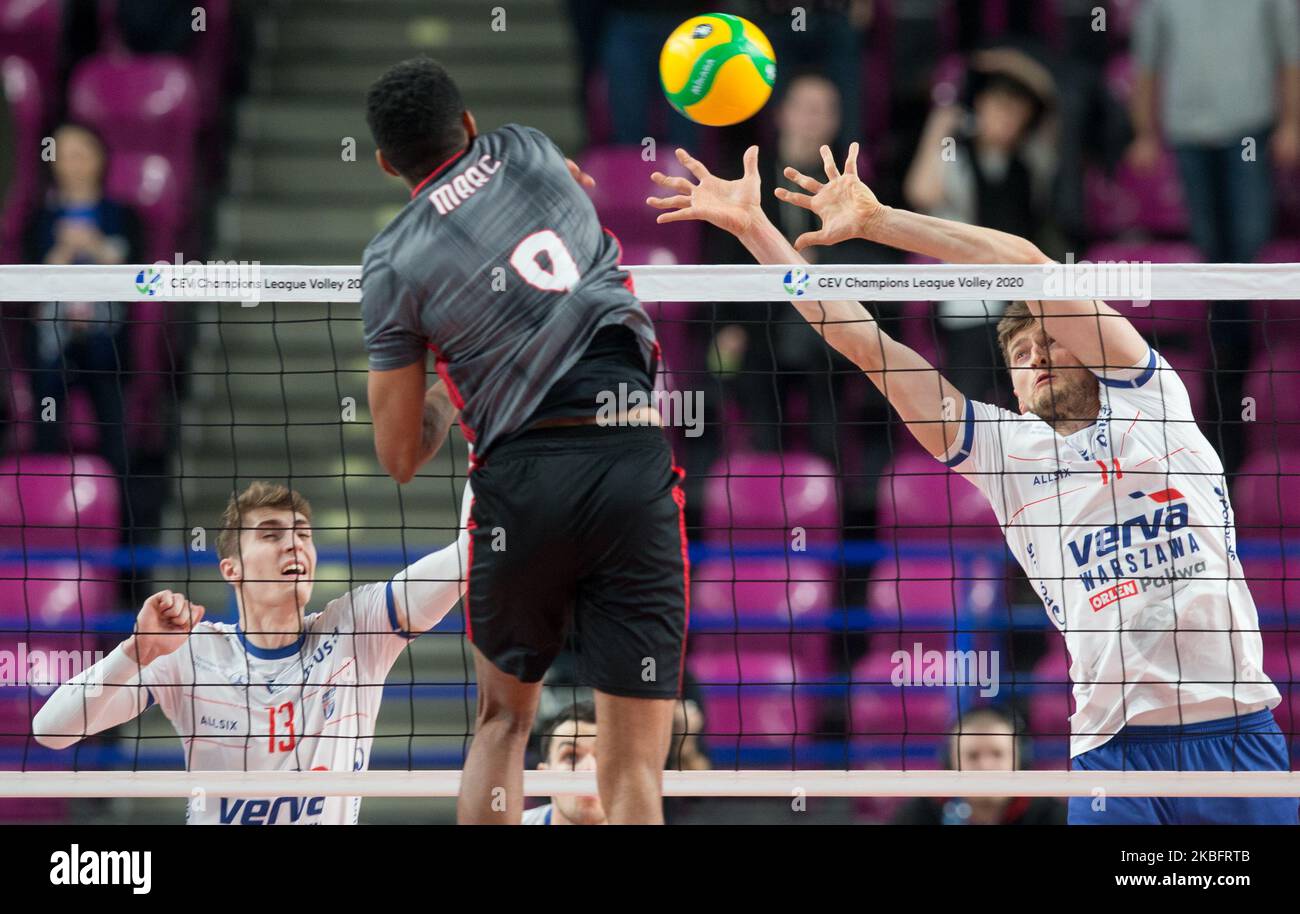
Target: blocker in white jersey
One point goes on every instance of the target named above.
(1111, 499)
(307, 706)
(1126, 531)
(280, 690)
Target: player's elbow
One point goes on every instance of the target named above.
(402, 473)
(397, 463)
(50, 741)
(41, 732)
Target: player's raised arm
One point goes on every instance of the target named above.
(111, 692)
(411, 423)
(1093, 331)
(922, 397)
(426, 590)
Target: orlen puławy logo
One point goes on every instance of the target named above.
(148, 281)
(796, 281)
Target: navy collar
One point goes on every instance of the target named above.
(275, 653)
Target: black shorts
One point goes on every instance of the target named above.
(580, 531)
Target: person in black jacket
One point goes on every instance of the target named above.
(983, 740)
(80, 344)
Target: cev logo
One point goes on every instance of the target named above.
(796, 281)
(148, 282)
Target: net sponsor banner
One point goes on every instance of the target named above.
(251, 282)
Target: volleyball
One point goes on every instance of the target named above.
(717, 69)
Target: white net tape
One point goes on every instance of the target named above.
(252, 283)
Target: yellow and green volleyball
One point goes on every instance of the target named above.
(717, 69)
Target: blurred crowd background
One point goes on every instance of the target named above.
(1150, 130)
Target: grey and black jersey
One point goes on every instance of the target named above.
(500, 267)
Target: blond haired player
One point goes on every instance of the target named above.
(280, 690)
(1112, 500)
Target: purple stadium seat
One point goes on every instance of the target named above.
(1126, 200)
(775, 596)
(1286, 184)
(1282, 665)
(930, 591)
(148, 184)
(54, 594)
(33, 30)
(622, 185)
(23, 91)
(1052, 700)
(1273, 380)
(918, 329)
(893, 721)
(83, 427)
(1267, 484)
(1280, 250)
(52, 501)
(756, 499)
(154, 360)
(1123, 14)
(918, 496)
(210, 58)
(752, 700)
(147, 104)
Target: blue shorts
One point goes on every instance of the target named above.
(1251, 743)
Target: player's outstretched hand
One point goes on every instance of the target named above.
(164, 623)
(847, 207)
(733, 206)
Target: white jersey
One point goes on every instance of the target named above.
(308, 706)
(538, 815)
(1126, 531)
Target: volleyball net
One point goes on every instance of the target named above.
(853, 601)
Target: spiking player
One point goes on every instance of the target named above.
(1108, 494)
(280, 690)
(499, 267)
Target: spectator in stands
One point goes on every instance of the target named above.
(568, 743)
(1208, 114)
(989, 162)
(767, 353)
(633, 36)
(983, 740)
(80, 344)
(830, 40)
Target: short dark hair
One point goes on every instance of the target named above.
(1015, 319)
(414, 111)
(582, 712)
(977, 721)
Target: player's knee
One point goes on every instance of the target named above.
(505, 722)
